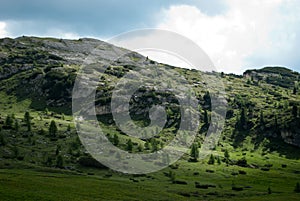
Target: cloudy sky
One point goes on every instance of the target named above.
(236, 34)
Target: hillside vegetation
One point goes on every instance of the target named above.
(42, 157)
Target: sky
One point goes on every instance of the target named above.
(235, 34)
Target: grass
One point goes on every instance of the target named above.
(37, 183)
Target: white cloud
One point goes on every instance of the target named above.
(61, 34)
(237, 34)
(3, 31)
(12, 28)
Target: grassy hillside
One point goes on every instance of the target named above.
(39, 162)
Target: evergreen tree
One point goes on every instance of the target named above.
(147, 145)
(219, 160)
(69, 128)
(52, 129)
(140, 148)
(242, 120)
(207, 99)
(261, 119)
(172, 176)
(276, 122)
(129, 145)
(211, 160)
(48, 161)
(58, 148)
(269, 190)
(15, 150)
(116, 140)
(8, 121)
(226, 156)
(17, 125)
(2, 140)
(154, 145)
(295, 90)
(297, 188)
(59, 161)
(194, 152)
(206, 120)
(295, 111)
(27, 120)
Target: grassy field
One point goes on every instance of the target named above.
(37, 183)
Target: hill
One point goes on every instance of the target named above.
(258, 149)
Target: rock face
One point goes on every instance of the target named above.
(274, 75)
(50, 65)
(291, 134)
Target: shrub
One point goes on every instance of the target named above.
(211, 160)
(88, 161)
(172, 176)
(237, 188)
(242, 162)
(265, 169)
(116, 140)
(129, 145)
(269, 190)
(297, 188)
(209, 171)
(180, 182)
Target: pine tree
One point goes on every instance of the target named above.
(297, 188)
(8, 121)
(295, 90)
(154, 145)
(211, 160)
(2, 140)
(17, 125)
(27, 120)
(269, 190)
(207, 99)
(140, 148)
(52, 129)
(15, 150)
(69, 128)
(147, 145)
(59, 161)
(206, 121)
(261, 119)
(295, 111)
(243, 119)
(58, 148)
(194, 152)
(116, 140)
(172, 176)
(129, 145)
(219, 160)
(226, 156)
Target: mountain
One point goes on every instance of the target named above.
(280, 76)
(37, 76)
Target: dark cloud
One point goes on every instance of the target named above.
(92, 17)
